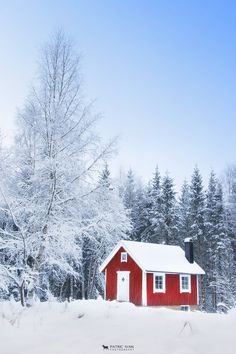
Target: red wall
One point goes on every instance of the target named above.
(172, 296)
(135, 284)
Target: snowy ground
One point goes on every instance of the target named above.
(85, 326)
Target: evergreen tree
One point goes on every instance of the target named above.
(169, 228)
(197, 207)
(105, 179)
(141, 215)
(219, 253)
(129, 199)
(129, 191)
(211, 237)
(197, 223)
(155, 209)
(230, 197)
(184, 220)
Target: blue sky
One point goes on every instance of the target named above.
(163, 74)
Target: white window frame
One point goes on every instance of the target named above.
(144, 288)
(197, 289)
(105, 287)
(189, 283)
(185, 306)
(163, 290)
(126, 257)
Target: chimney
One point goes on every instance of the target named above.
(188, 242)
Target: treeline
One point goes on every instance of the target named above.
(159, 215)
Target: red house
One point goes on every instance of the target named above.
(150, 274)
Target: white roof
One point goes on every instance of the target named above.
(153, 257)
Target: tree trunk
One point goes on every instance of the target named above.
(71, 287)
(22, 293)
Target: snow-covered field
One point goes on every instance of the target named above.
(84, 327)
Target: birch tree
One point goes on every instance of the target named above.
(57, 158)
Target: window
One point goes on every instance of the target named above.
(159, 283)
(123, 257)
(185, 308)
(185, 283)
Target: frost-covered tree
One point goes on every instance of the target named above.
(212, 231)
(57, 157)
(184, 222)
(155, 212)
(108, 223)
(197, 207)
(105, 178)
(197, 222)
(169, 226)
(141, 215)
(229, 184)
(129, 190)
(219, 260)
(129, 198)
(9, 281)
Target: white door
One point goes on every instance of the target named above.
(123, 286)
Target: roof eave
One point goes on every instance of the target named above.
(169, 272)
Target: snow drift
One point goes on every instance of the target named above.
(96, 326)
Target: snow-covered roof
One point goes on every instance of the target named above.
(153, 257)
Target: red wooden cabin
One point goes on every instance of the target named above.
(150, 274)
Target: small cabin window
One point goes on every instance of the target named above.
(185, 308)
(123, 257)
(159, 285)
(185, 283)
